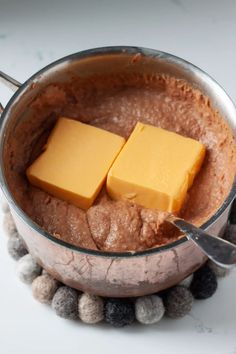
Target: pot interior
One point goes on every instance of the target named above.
(113, 89)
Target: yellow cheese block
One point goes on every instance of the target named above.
(75, 162)
(155, 168)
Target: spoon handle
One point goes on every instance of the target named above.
(218, 250)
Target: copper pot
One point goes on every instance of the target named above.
(103, 273)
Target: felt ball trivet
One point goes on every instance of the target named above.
(69, 303)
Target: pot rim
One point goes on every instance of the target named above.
(88, 53)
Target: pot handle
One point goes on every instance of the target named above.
(9, 82)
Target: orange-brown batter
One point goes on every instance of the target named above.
(116, 104)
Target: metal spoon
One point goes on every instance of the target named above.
(218, 250)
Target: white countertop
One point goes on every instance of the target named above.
(34, 33)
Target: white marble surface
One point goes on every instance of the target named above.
(34, 33)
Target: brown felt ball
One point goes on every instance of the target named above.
(91, 308)
(44, 288)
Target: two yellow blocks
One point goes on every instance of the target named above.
(154, 168)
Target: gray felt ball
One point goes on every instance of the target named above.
(230, 233)
(27, 269)
(187, 281)
(5, 207)
(44, 288)
(91, 308)
(16, 246)
(220, 272)
(65, 303)
(178, 302)
(149, 309)
(9, 225)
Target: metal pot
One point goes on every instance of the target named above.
(103, 273)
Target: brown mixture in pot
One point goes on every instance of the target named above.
(116, 104)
